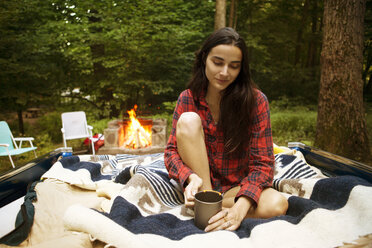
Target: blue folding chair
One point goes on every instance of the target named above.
(8, 145)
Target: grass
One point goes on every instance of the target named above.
(289, 126)
(292, 122)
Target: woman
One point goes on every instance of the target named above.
(221, 135)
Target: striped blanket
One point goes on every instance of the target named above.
(142, 207)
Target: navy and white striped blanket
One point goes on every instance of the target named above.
(143, 208)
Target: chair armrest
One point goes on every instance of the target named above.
(24, 139)
(7, 149)
(21, 139)
(90, 130)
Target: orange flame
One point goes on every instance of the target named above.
(135, 136)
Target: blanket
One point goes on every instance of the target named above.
(142, 207)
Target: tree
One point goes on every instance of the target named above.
(30, 57)
(233, 17)
(220, 15)
(341, 125)
(132, 52)
(277, 34)
(313, 47)
(299, 41)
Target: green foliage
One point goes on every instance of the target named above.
(292, 121)
(294, 125)
(49, 126)
(170, 106)
(284, 103)
(98, 125)
(283, 46)
(132, 52)
(117, 53)
(28, 55)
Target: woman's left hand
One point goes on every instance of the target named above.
(230, 218)
(226, 219)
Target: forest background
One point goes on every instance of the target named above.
(103, 57)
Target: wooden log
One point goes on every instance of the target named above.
(138, 140)
(144, 134)
(129, 140)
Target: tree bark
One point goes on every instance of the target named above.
(299, 41)
(232, 13)
(21, 127)
(341, 124)
(220, 15)
(235, 15)
(312, 53)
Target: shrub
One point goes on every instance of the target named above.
(290, 126)
(98, 125)
(51, 125)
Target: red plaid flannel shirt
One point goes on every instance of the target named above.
(253, 172)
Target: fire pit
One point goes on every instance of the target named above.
(135, 136)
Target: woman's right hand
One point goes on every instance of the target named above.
(194, 184)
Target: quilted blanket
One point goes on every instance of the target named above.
(144, 208)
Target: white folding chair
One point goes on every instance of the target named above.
(74, 126)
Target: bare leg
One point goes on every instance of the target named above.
(270, 204)
(191, 146)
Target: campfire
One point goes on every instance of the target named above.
(135, 135)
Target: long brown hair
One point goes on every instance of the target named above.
(237, 104)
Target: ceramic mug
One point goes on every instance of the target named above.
(207, 204)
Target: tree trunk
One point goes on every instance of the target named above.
(313, 44)
(232, 13)
(235, 15)
(341, 124)
(21, 127)
(305, 12)
(220, 15)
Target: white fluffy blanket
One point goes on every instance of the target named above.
(143, 208)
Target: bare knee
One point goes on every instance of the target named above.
(274, 205)
(279, 206)
(188, 125)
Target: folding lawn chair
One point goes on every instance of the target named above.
(8, 145)
(74, 126)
